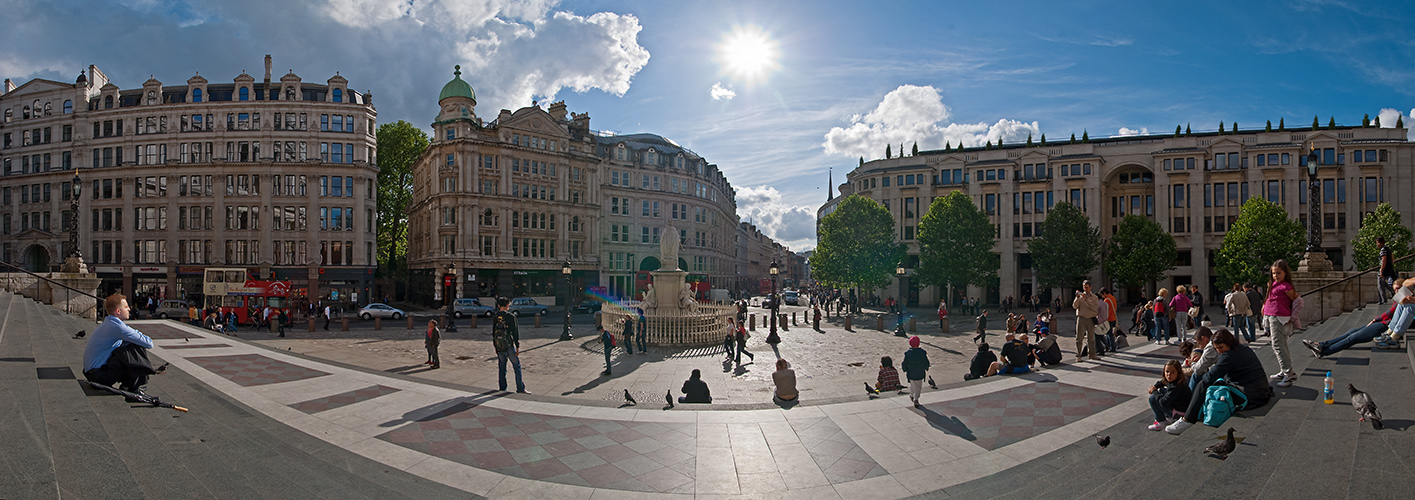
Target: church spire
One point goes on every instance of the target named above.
(830, 184)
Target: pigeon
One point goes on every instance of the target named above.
(932, 385)
(669, 398)
(870, 390)
(162, 368)
(629, 397)
(81, 334)
(1365, 406)
(1103, 441)
(1224, 448)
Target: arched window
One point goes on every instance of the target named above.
(48, 109)
(196, 95)
(151, 97)
(24, 113)
(68, 107)
(9, 115)
(338, 95)
(245, 93)
(108, 102)
(515, 219)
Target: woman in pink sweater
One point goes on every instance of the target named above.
(1180, 305)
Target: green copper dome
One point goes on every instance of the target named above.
(457, 87)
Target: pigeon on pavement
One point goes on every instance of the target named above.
(162, 368)
(669, 398)
(1224, 448)
(870, 390)
(1365, 406)
(1103, 441)
(629, 397)
(932, 385)
(81, 334)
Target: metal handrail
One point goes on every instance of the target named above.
(1322, 304)
(69, 290)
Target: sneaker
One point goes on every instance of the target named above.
(1386, 342)
(1314, 347)
(1157, 426)
(1287, 380)
(1178, 427)
(1276, 377)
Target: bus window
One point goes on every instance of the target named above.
(214, 277)
(235, 277)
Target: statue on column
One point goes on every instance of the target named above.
(668, 247)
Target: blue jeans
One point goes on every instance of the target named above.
(608, 349)
(1162, 329)
(501, 357)
(1359, 335)
(1400, 321)
(643, 337)
(1243, 327)
(1162, 414)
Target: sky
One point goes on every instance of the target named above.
(778, 94)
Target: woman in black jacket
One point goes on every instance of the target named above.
(1169, 394)
(1236, 364)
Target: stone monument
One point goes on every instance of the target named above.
(673, 315)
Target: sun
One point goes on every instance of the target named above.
(747, 53)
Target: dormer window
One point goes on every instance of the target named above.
(619, 152)
(338, 95)
(108, 102)
(245, 94)
(151, 97)
(196, 95)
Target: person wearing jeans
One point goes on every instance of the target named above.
(1179, 306)
(1238, 308)
(1161, 308)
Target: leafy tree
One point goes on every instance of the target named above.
(1220, 128)
(1139, 252)
(1316, 123)
(1073, 138)
(1331, 125)
(1262, 234)
(948, 148)
(1068, 248)
(1177, 130)
(857, 246)
(988, 145)
(887, 153)
(399, 146)
(1400, 122)
(1384, 221)
(1281, 125)
(1235, 127)
(1366, 120)
(1044, 139)
(1186, 130)
(1085, 136)
(1029, 139)
(956, 243)
(915, 152)
(1268, 127)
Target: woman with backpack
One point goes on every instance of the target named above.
(1161, 310)
(1239, 367)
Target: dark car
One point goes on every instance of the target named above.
(588, 306)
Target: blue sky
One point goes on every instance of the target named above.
(840, 80)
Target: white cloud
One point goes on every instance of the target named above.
(718, 92)
(1389, 117)
(1126, 131)
(912, 114)
(787, 224)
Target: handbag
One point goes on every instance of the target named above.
(1193, 311)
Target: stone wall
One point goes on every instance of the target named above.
(57, 296)
(1334, 300)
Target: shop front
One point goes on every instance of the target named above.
(346, 288)
(189, 284)
(150, 281)
(110, 279)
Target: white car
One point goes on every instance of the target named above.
(380, 311)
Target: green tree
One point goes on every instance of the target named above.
(1029, 139)
(948, 147)
(856, 245)
(1044, 139)
(1268, 127)
(1281, 125)
(887, 152)
(1384, 221)
(1316, 123)
(1085, 136)
(1262, 234)
(1235, 127)
(956, 243)
(915, 152)
(1177, 130)
(1186, 130)
(1073, 138)
(1366, 120)
(399, 146)
(1331, 125)
(1220, 128)
(1139, 252)
(1068, 248)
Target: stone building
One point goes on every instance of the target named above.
(1193, 185)
(273, 176)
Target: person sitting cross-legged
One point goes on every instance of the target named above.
(888, 379)
(982, 362)
(695, 390)
(116, 353)
(1016, 358)
(1238, 365)
(1046, 349)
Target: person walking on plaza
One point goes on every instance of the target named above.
(1109, 299)
(1085, 304)
(1104, 340)
(643, 331)
(1277, 313)
(816, 317)
(942, 315)
(434, 338)
(741, 339)
(628, 335)
(607, 340)
(982, 328)
(1180, 305)
(916, 367)
(506, 339)
(1239, 309)
(1255, 303)
(1161, 309)
(1385, 279)
(326, 318)
(283, 319)
(193, 316)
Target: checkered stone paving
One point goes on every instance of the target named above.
(165, 332)
(345, 399)
(837, 455)
(253, 369)
(1004, 417)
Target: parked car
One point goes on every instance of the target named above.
(589, 306)
(471, 307)
(790, 297)
(172, 309)
(381, 311)
(526, 305)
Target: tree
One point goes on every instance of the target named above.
(1268, 127)
(1044, 139)
(1177, 130)
(887, 153)
(1316, 123)
(1400, 122)
(399, 146)
(856, 245)
(1068, 248)
(1384, 221)
(1073, 138)
(1331, 125)
(1220, 128)
(1281, 125)
(1377, 122)
(947, 147)
(1139, 252)
(1029, 139)
(915, 152)
(955, 243)
(988, 145)
(1235, 127)
(1262, 235)
(1366, 120)
(1085, 136)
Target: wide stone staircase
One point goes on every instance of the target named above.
(59, 439)
(1294, 447)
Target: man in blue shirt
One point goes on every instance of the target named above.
(116, 353)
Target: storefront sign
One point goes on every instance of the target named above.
(188, 270)
(150, 270)
(108, 269)
(519, 273)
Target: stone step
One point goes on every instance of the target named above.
(27, 465)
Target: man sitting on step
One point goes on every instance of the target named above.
(116, 353)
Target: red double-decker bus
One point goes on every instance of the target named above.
(232, 290)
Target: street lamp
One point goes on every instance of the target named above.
(1314, 207)
(771, 337)
(74, 263)
(900, 273)
(451, 292)
(566, 270)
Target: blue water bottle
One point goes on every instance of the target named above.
(1327, 389)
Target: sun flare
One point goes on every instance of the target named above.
(747, 53)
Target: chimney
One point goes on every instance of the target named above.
(267, 70)
(9, 86)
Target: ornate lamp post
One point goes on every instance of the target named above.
(1315, 259)
(773, 270)
(74, 263)
(566, 270)
(451, 283)
(900, 273)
